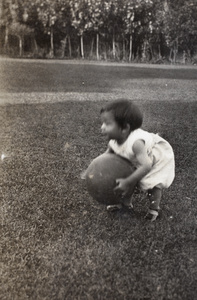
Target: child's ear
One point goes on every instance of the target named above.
(127, 128)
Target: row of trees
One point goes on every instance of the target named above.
(145, 30)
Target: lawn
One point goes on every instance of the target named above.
(56, 241)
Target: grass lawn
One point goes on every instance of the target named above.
(58, 243)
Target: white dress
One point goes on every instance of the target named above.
(160, 152)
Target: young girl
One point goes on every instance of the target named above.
(152, 156)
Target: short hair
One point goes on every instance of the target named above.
(125, 112)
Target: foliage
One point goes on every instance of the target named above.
(180, 24)
(156, 28)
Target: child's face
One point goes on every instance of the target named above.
(110, 128)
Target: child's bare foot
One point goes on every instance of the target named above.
(152, 215)
(128, 204)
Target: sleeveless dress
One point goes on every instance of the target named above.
(160, 152)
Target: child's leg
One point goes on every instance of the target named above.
(155, 198)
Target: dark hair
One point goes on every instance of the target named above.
(125, 112)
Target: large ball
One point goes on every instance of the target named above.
(101, 177)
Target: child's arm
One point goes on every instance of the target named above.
(109, 150)
(128, 184)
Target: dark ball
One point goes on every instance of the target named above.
(101, 177)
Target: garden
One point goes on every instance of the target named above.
(56, 241)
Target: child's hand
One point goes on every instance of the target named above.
(124, 188)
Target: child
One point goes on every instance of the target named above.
(152, 156)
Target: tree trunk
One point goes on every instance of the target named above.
(113, 46)
(144, 51)
(159, 50)
(175, 49)
(97, 46)
(63, 48)
(82, 49)
(52, 44)
(130, 47)
(138, 54)
(91, 47)
(184, 57)
(20, 46)
(151, 52)
(6, 46)
(69, 46)
(123, 50)
(35, 45)
(170, 56)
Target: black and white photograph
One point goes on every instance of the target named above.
(98, 149)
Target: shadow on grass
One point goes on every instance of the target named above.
(19, 76)
(57, 243)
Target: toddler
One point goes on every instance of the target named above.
(151, 155)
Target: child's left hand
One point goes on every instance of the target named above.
(124, 188)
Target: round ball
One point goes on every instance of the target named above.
(101, 177)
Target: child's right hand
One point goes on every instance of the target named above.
(124, 187)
